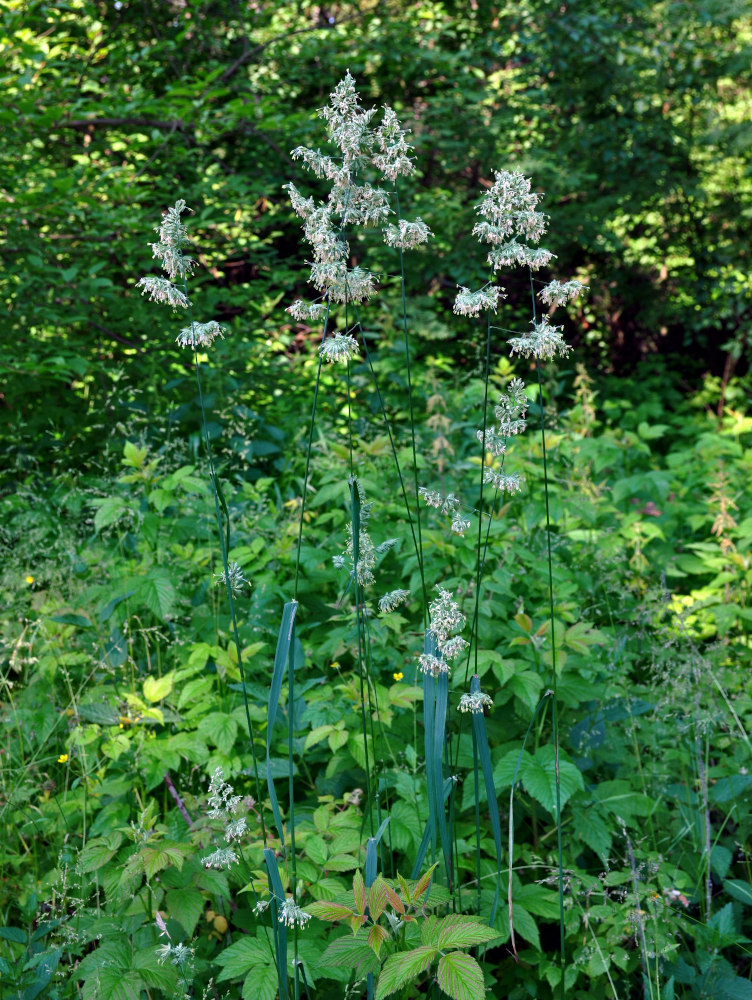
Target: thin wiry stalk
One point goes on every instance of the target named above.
(412, 416)
(308, 458)
(224, 541)
(387, 425)
(554, 711)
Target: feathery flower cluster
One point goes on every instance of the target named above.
(557, 293)
(224, 803)
(200, 334)
(340, 347)
(445, 618)
(391, 601)
(349, 202)
(173, 237)
(162, 290)
(178, 954)
(291, 914)
(510, 412)
(406, 235)
(469, 303)
(233, 578)
(302, 311)
(509, 210)
(368, 553)
(545, 342)
(475, 702)
(449, 505)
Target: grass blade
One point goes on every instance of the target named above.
(280, 659)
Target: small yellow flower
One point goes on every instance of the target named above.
(30, 579)
(334, 666)
(62, 758)
(398, 675)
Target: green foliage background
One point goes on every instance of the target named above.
(633, 118)
(116, 657)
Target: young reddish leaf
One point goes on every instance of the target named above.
(394, 899)
(326, 910)
(405, 889)
(376, 937)
(359, 893)
(424, 882)
(377, 898)
(357, 921)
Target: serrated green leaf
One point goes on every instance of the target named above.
(352, 952)
(185, 906)
(220, 729)
(539, 778)
(402, 968)
(245, 954)
(261, 983)
(456, 931)
(112, 984)
(460, 976)
(157, 593)
(328, 910)
(157, 688)
(96, 854)
(13, 934)
(155, 975)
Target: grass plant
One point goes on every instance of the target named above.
(205, 798)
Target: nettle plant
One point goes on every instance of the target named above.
(396, 943)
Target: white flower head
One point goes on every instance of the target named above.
(162, 290)
(221, 798)
(545, 342)
(557, 293)
(233, 578)
(406, 235)
(223, 857)
(391, 601)
(446, 617)
(200, 334)
(291, 914)
(341, 347)
(303, 311)
(475, 702)
(393, 159)
(469, 303)
(501, 481)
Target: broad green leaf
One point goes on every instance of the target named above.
(353, 952)
(456, 931)
(220, 729)
(328, 910)
(404, 968)
(155, 975)
(96, 854)
(261, 983)
(377, 935)
(245, 954)
(157, 593)
(157, 688)
(112, 984)
(593, 830)
(739, 890)
(14, 934)
(186, 906)
(317, 735)
(539, 778)
(460, 977)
